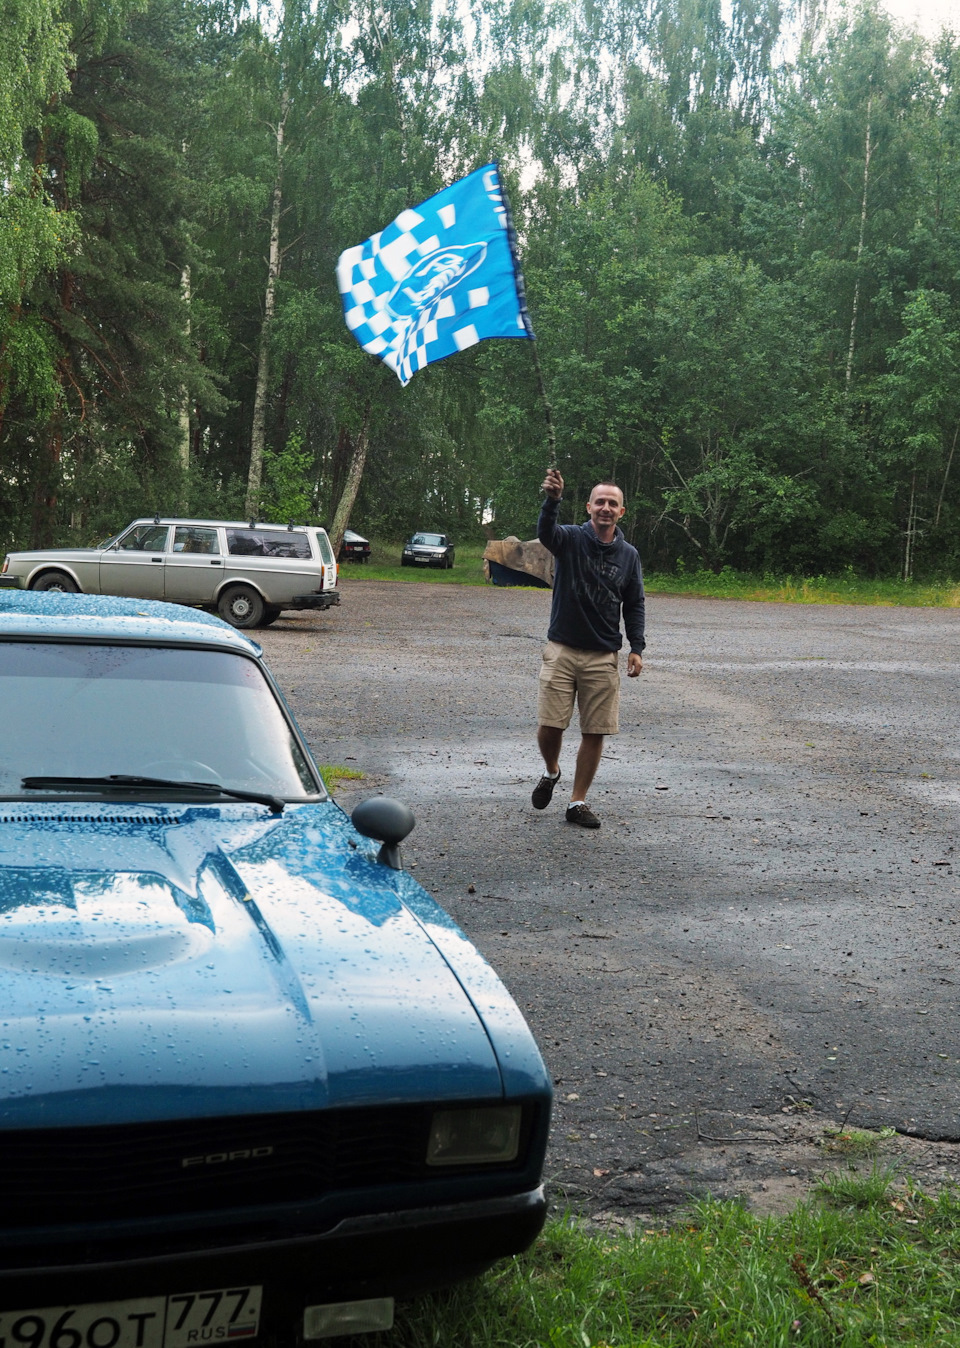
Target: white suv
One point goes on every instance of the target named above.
(247, 572)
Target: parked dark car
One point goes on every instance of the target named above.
(423, 549)
(255, 1082)
(354, 548)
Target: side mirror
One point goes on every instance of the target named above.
(388, 821)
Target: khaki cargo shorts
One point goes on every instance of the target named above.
(591, 678)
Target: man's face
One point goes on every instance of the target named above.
(605, 506)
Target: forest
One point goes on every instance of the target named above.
(739, 226)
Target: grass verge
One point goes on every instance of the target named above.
(844, 589)
(333, 774)
(384, 564)
(862, 1264)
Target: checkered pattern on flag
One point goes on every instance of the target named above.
(438, 279)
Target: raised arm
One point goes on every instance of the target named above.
(548, 531)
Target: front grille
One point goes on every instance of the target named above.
(65, 1175)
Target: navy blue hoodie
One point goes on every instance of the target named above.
(592, 580)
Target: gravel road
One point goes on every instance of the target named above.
(760, 942)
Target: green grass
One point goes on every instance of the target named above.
(863, 1264)
(855, 1141)
(384, 564)
(843, 589)
(335, 773)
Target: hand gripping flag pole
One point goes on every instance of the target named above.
(438, 279)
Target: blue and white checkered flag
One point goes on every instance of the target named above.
(438, 279)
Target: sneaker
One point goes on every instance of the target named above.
(543, 791)
(583, 815)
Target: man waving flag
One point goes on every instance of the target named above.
(440, 278)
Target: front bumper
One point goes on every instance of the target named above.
(327, 599)
(374, 1255)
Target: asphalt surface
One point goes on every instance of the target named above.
(759, 946)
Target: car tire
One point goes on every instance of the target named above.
(271, 612)
(56, 580)
(241, 606)
(404, 561)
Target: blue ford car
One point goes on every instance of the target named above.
(254, 1082)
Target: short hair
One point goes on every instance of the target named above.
(605, 482)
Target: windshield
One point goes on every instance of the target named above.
(429, 540)
(72, 710)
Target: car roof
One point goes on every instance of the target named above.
(82, 617)
(220, 524)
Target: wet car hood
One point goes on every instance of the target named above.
(160, 961)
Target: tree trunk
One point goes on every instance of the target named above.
(352, 485)
(16, 309)
(946, 474)
(43, 526)
(863, 227)
(812, 16)
(258, 432)
(339, 466)
(184, 446)
(911, 529)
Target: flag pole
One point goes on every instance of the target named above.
(547, 409)
(525, 317)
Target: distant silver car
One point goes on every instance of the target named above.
(247, 572)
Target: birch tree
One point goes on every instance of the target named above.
(274, 259)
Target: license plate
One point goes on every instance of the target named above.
(182, 1320)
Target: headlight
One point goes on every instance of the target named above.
(474, 1136)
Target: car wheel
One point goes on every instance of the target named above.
(404, 561)
(271, 612)
(56, 580)
(241, 606)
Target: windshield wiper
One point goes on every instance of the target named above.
(123, 782)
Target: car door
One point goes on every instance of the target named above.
(194, 565)
(133, 566)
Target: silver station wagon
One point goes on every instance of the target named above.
(247, 572)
